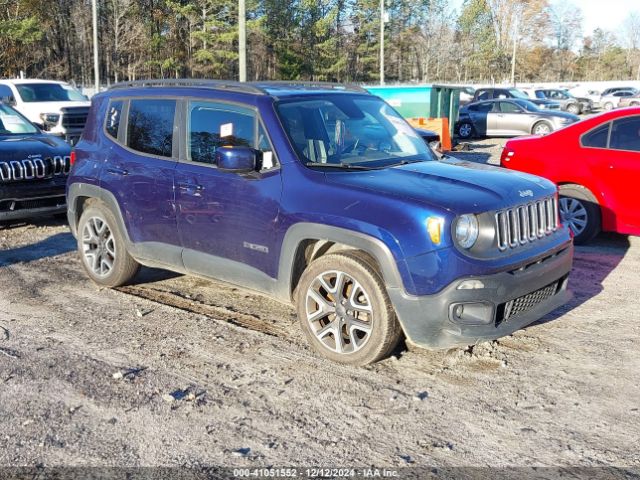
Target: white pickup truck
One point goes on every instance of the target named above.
(56, 107)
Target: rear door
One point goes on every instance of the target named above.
(227, 221)
(139, 172)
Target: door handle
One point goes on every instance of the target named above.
(189, 187)
(117, 171)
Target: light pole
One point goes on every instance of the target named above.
(96, 65)
(382, 16)
(513, 56)
(242, 40)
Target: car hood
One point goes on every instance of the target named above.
(450, 184)
(20, 147)
(558, 114)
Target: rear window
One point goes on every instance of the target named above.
(150, 126)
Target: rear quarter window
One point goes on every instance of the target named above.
(597, 138)
(112, 122)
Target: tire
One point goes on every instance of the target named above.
(346, 279)
(608, 106)
(102, 250)
(634, 104)
(574, 108)
(580, 210)
(466, 130)
(542, 128)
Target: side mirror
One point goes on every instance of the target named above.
(236, 159)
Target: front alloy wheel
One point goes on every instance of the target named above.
(339, 312)
(344, 309)
(542, 128)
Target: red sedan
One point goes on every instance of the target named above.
(596, 164)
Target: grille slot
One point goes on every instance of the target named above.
(33, 203)
(525, 303)
(526, 223)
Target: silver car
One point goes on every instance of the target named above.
(508, 118)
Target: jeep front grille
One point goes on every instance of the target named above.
(34, 168)
(526, 223)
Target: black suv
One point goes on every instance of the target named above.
(491, 93)
(33, 169)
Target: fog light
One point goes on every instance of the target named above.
(471, 285)
(472, 313)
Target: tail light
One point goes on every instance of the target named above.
(73, 157)
(506, 155)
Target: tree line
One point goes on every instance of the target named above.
(319, 40)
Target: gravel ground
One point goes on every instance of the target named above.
(177, 371)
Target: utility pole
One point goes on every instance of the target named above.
(96, 66)
(242, 40)
(382, 17)
(513, 57)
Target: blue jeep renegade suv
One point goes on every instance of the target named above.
(320, 195)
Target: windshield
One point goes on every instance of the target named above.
(350, 131)
(527, 105)
(11, 122)
(49, 92)
(517, 93)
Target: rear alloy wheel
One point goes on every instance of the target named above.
(542, 128)
(573, 108)
(344, 310)
(608, 106)
(465, 130)
(580, 212)
(102, 249)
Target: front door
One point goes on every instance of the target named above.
(227, 222)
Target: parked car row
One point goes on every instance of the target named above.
(509, 117)
(326, 197)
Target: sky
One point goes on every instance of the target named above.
(604, 14)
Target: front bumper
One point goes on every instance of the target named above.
(18, 209)
(514, 299)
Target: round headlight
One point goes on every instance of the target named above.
(467, 230)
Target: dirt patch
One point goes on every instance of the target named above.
(177, 371)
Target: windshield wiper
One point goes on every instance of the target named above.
(344, 166)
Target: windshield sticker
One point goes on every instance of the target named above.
(226, 130)
(10, 119)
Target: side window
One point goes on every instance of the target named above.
(485, 107)
(540, 94)
(213, 125)
(112, 124)
(484, 95)
(508, 107)
(150, 126)
(597, 138)
(625, 134)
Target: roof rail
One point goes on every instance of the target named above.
(231, 86)
(309, 84)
